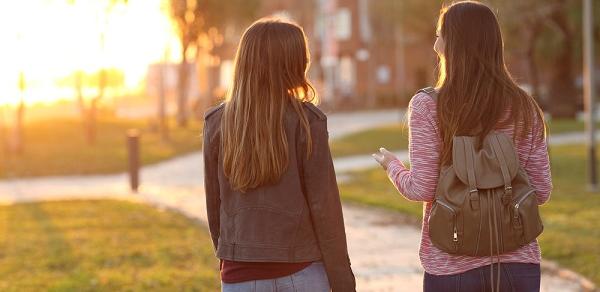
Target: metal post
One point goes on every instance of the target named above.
(133, 151)
(589, 91)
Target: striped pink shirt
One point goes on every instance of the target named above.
(420, 181)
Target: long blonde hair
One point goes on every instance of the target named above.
(270, 74)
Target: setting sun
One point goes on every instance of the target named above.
(46, 41)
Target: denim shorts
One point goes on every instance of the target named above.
(514, 277)
(311, 279)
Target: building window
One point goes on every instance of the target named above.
(343, 24)
(346, 75)
(383, 74)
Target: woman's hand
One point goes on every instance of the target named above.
(384, 157)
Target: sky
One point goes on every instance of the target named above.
(47, 40)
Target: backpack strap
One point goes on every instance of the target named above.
(470, 157)
(507, 198)
(429, 91)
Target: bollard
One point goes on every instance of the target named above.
(133, 151)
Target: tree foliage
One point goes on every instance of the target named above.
(544, 34)
(89, 110)
(201, 25)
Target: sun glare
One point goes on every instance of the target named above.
(47, 41)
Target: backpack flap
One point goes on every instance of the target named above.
(486, 164)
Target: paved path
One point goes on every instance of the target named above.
(383, 249)
(341, 124)
(569, 138)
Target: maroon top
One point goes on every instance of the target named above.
(235, 272)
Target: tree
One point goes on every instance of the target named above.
(18, 144)
(89, 111)
(549, 31)
(106, 79)
(402, 25)
(524, 23)
(545, 33)
(12, 138)
(203, 19)
(562, 84)
(112, 78)
(3, 134)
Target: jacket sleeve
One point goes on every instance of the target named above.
(323, 200)
(211, 186)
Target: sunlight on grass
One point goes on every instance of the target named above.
(58, 147)
(103, 246)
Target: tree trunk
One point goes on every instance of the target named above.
(3, 134)
(91, 113)
(535, 30)
(162, 115)
(182, 90)
(79, 91)
(18, 142)
(78, 84)
(203, 67)
(563, 95)
(90, 123)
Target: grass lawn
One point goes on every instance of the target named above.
(392, 137)
(103, 245)
(572, 227)
(395, 137)
(565, 125)
(58, 147)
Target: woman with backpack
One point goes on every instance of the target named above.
(272, 200)
(478, 161)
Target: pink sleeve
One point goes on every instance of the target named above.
(538, 166)
(420, 181)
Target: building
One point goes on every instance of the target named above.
(357, 59)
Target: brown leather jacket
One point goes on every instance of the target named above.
(298, 219)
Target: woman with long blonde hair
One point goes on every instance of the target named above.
(272, 200)
(475, 96)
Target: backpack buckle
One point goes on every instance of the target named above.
(507, 197)
(474, 200)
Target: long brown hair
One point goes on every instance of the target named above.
(474, 85)
(269, 76)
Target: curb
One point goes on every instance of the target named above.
(554, 269)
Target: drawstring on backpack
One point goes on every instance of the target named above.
(497, 237)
